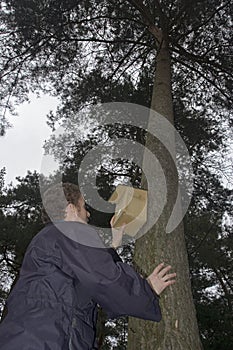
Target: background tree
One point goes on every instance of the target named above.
(20, 219)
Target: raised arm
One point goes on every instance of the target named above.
(114, 285)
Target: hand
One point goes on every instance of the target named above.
(117, 234)
(159, 279)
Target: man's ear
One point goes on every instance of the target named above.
(69, 209)
(69, 206)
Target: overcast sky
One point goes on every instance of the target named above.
(21, 147)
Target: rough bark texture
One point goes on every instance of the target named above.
(178, 329)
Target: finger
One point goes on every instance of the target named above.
(163, 272)
(169, 283)
(158, 268)
(169, 276)
(112, 220)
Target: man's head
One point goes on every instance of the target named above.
(77, 212)
(66, 205)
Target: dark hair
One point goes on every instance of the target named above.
(54, 203)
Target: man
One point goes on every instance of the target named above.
(65, 273)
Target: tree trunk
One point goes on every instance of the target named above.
(178, 329)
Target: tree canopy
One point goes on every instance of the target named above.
(78, 50)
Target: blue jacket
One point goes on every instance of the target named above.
(53, 305)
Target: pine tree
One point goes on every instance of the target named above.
(171, 38)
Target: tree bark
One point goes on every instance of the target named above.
(178, 329)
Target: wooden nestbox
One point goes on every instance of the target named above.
(131, 208)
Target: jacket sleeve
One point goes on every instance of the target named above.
(114, 285)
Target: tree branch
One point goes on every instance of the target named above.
(202, 241)
(32, 50)
(149, 21)
(131, 63)
(106, 17)
(7, 104)
(205, 22)
(126, 55)
(224, 288)
(109, 41)
(138, 4)
(226, 280)
(201, 58)
(203, 76)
